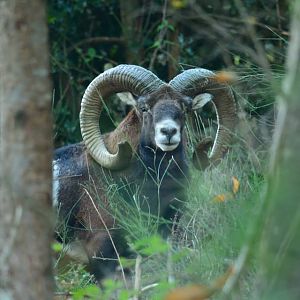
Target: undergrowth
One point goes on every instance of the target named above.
(216, 222)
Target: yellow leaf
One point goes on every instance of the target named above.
(178, 4)
(223, 197)
(220, 198)
(191, 292)
(235, 185)
(225, 77)
(200, 292)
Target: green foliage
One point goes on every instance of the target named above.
(80, 33)
(92, 291)
(150, 245)
(75, 60)
(72, 278)
(110, 288)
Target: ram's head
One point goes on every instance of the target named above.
(159, 116)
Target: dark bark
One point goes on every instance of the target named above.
(26, 151)
(131, 30)
(174, 51)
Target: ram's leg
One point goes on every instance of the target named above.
(72, 252)
(104, 250)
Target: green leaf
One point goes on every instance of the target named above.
(156, 44)
(236, 59)
(152, 245)
(126, 294)
(51, 20)
(178, 256)
(91, 52)
(92, 291)
(127, 262)
(109, 287)
(171, 27)
(57, 247)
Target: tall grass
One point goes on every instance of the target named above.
(211, 232)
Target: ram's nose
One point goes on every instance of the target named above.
(169, 132)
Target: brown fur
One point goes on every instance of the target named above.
(128, 130)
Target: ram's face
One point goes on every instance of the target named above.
(168, 122)
(160, 107)
(163, 121)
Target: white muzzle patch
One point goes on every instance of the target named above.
(167, 135)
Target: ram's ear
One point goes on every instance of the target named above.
(200, 100)
(127, 98)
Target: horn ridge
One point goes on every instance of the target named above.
(123, 78)
(193, 82)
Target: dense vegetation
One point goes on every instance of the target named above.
(246, 37)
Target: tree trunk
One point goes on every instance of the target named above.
(281, 240)
(26, 151)
(131, 27)
(174, 51)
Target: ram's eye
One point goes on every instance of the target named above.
(144, 108)
(187, 104)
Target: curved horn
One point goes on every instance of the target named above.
(123, 78)
(195, 81)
